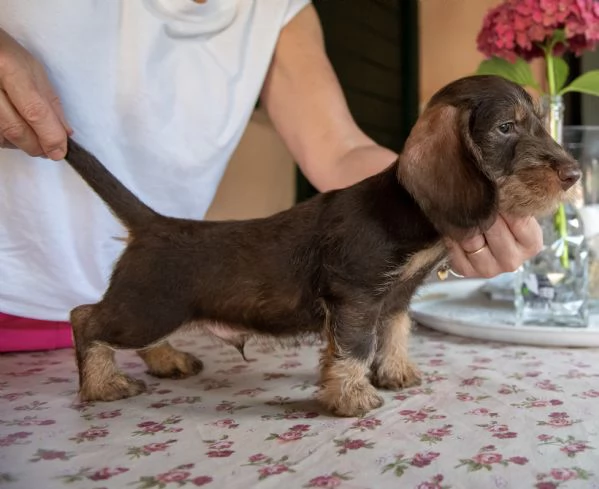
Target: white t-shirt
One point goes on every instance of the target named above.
(161, 91)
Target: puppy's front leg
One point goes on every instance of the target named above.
(345, 365)
(392, 368)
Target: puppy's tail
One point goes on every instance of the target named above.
(131, 211)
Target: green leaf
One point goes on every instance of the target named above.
(560, 72)
(519, 72)
(586, 83)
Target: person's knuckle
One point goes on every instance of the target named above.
(488, 272)
(14, 131)
(35, 111)
(511, 264)
(538, 235)
(54, 99)
(53, 141)
(6, 63)
(534, 250)
(537, 249)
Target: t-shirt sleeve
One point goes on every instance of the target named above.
(293, 7)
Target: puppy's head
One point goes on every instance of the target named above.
(480, 147)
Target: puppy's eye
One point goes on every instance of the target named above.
(506, 127)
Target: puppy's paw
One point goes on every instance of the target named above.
(164, 361)
(350, 401)
(117, 386)
(179, 366)
(396, 375)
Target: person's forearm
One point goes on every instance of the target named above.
(353, 166)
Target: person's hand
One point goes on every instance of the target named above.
(503, 248)
(31, 116)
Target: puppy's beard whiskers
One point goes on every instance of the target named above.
(534, 191)
(575, 194)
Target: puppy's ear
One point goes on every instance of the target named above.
(442, 168)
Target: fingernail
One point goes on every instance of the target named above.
(57, 154)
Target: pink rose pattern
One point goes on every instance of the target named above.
(486, 415)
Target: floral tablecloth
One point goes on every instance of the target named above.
(487, 415)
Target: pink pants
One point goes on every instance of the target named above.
(24, 334)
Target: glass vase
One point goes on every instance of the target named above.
(551, 289)
(582, 142)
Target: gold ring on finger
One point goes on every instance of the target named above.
(476, 252)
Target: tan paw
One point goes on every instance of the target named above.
(164, 361)
(112, 388)
(396, 375)
(355, 400)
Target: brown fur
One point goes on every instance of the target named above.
(343, 265)
(345, 389)
(419, 260)
(392, 368)
(164, 361)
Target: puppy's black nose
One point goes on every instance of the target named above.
(568, 176)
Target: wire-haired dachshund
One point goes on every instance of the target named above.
(343, 265)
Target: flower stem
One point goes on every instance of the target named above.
(550, 72)
(560, 223)
(559, 219)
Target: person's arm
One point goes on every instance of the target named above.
(306, 104)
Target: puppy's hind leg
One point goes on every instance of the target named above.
(164, 361)
(99, 377)
(392, 368)
(345, 365)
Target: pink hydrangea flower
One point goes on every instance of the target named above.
(517, 28)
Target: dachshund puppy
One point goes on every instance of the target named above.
(343, 265)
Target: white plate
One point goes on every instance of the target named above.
(459, 307)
